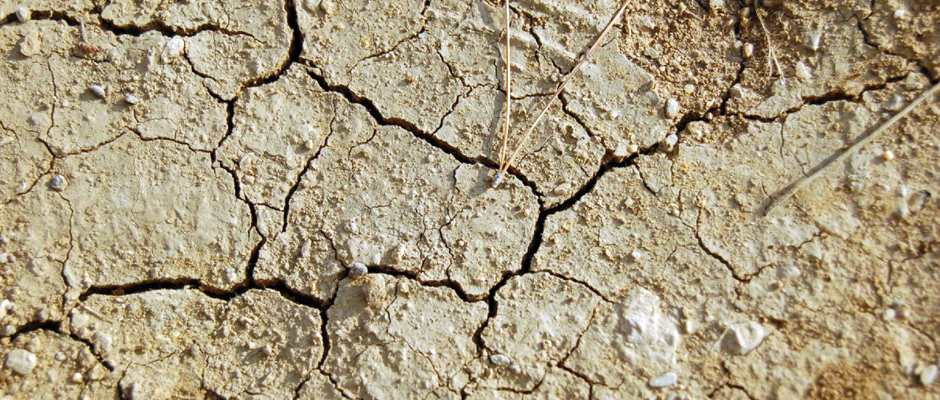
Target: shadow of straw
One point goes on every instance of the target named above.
(781, 196)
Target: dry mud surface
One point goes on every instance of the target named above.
(293, 199)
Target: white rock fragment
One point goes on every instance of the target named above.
(901, 14)
(889, 315)
(671, 140)
(23, 14)
(20, 361)
(633, 148)
(894, 103)
(636, 255)
(928, 375)
(98, 91)
(6, 305)
(747, 51)
(327, 7)
(58, 183)
(131, 99)
(888, 155)
(498, 179)
(814, 39)
(621, 151)
(174, 47)
(76, 378)
(102, 342)
(31, 43)
(358, 269)
(664, 380)
(500, 360)
(744, 337)
(230, 274)
(672, 108)
(802, 72)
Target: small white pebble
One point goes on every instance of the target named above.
(901, 14)
(688, 326)
(76, 378)
(358, 269)
(672, 108)
(174, 47)
(621, 151)
(633, 148)
(23, 14)
(58, 183)
(327, 7)
(664, 380)
(636, 255)
(745, 336)
(6, 305)
(131, 99)
(671, 140)
(500, 360)
(20, 361)
(889, 314)
(747, 51)
(888, 155)
(498, 179)
(308, 144)
(689, 88)
(928, 375)
(97, 90)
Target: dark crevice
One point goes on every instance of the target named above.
(324, 333)
(56, 327)
(436, 142)
(47, 15)
(159, 26)
(829, 97)
(580, 282)
(91, 349)
(33, 326)
(300, 176)
(576, 117)
(293, 51)
(388, 270)
(156, 284)
(723, 108)
(536, 243)
(719, 257)
(731, 386)
(390, 50)
(290, 294)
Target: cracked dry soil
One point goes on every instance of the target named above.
(191, 191)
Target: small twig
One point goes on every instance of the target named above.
(502, 150)
(770, 43)
(561, 86)
(782, 195)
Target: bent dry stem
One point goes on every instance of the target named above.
(504, 165)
